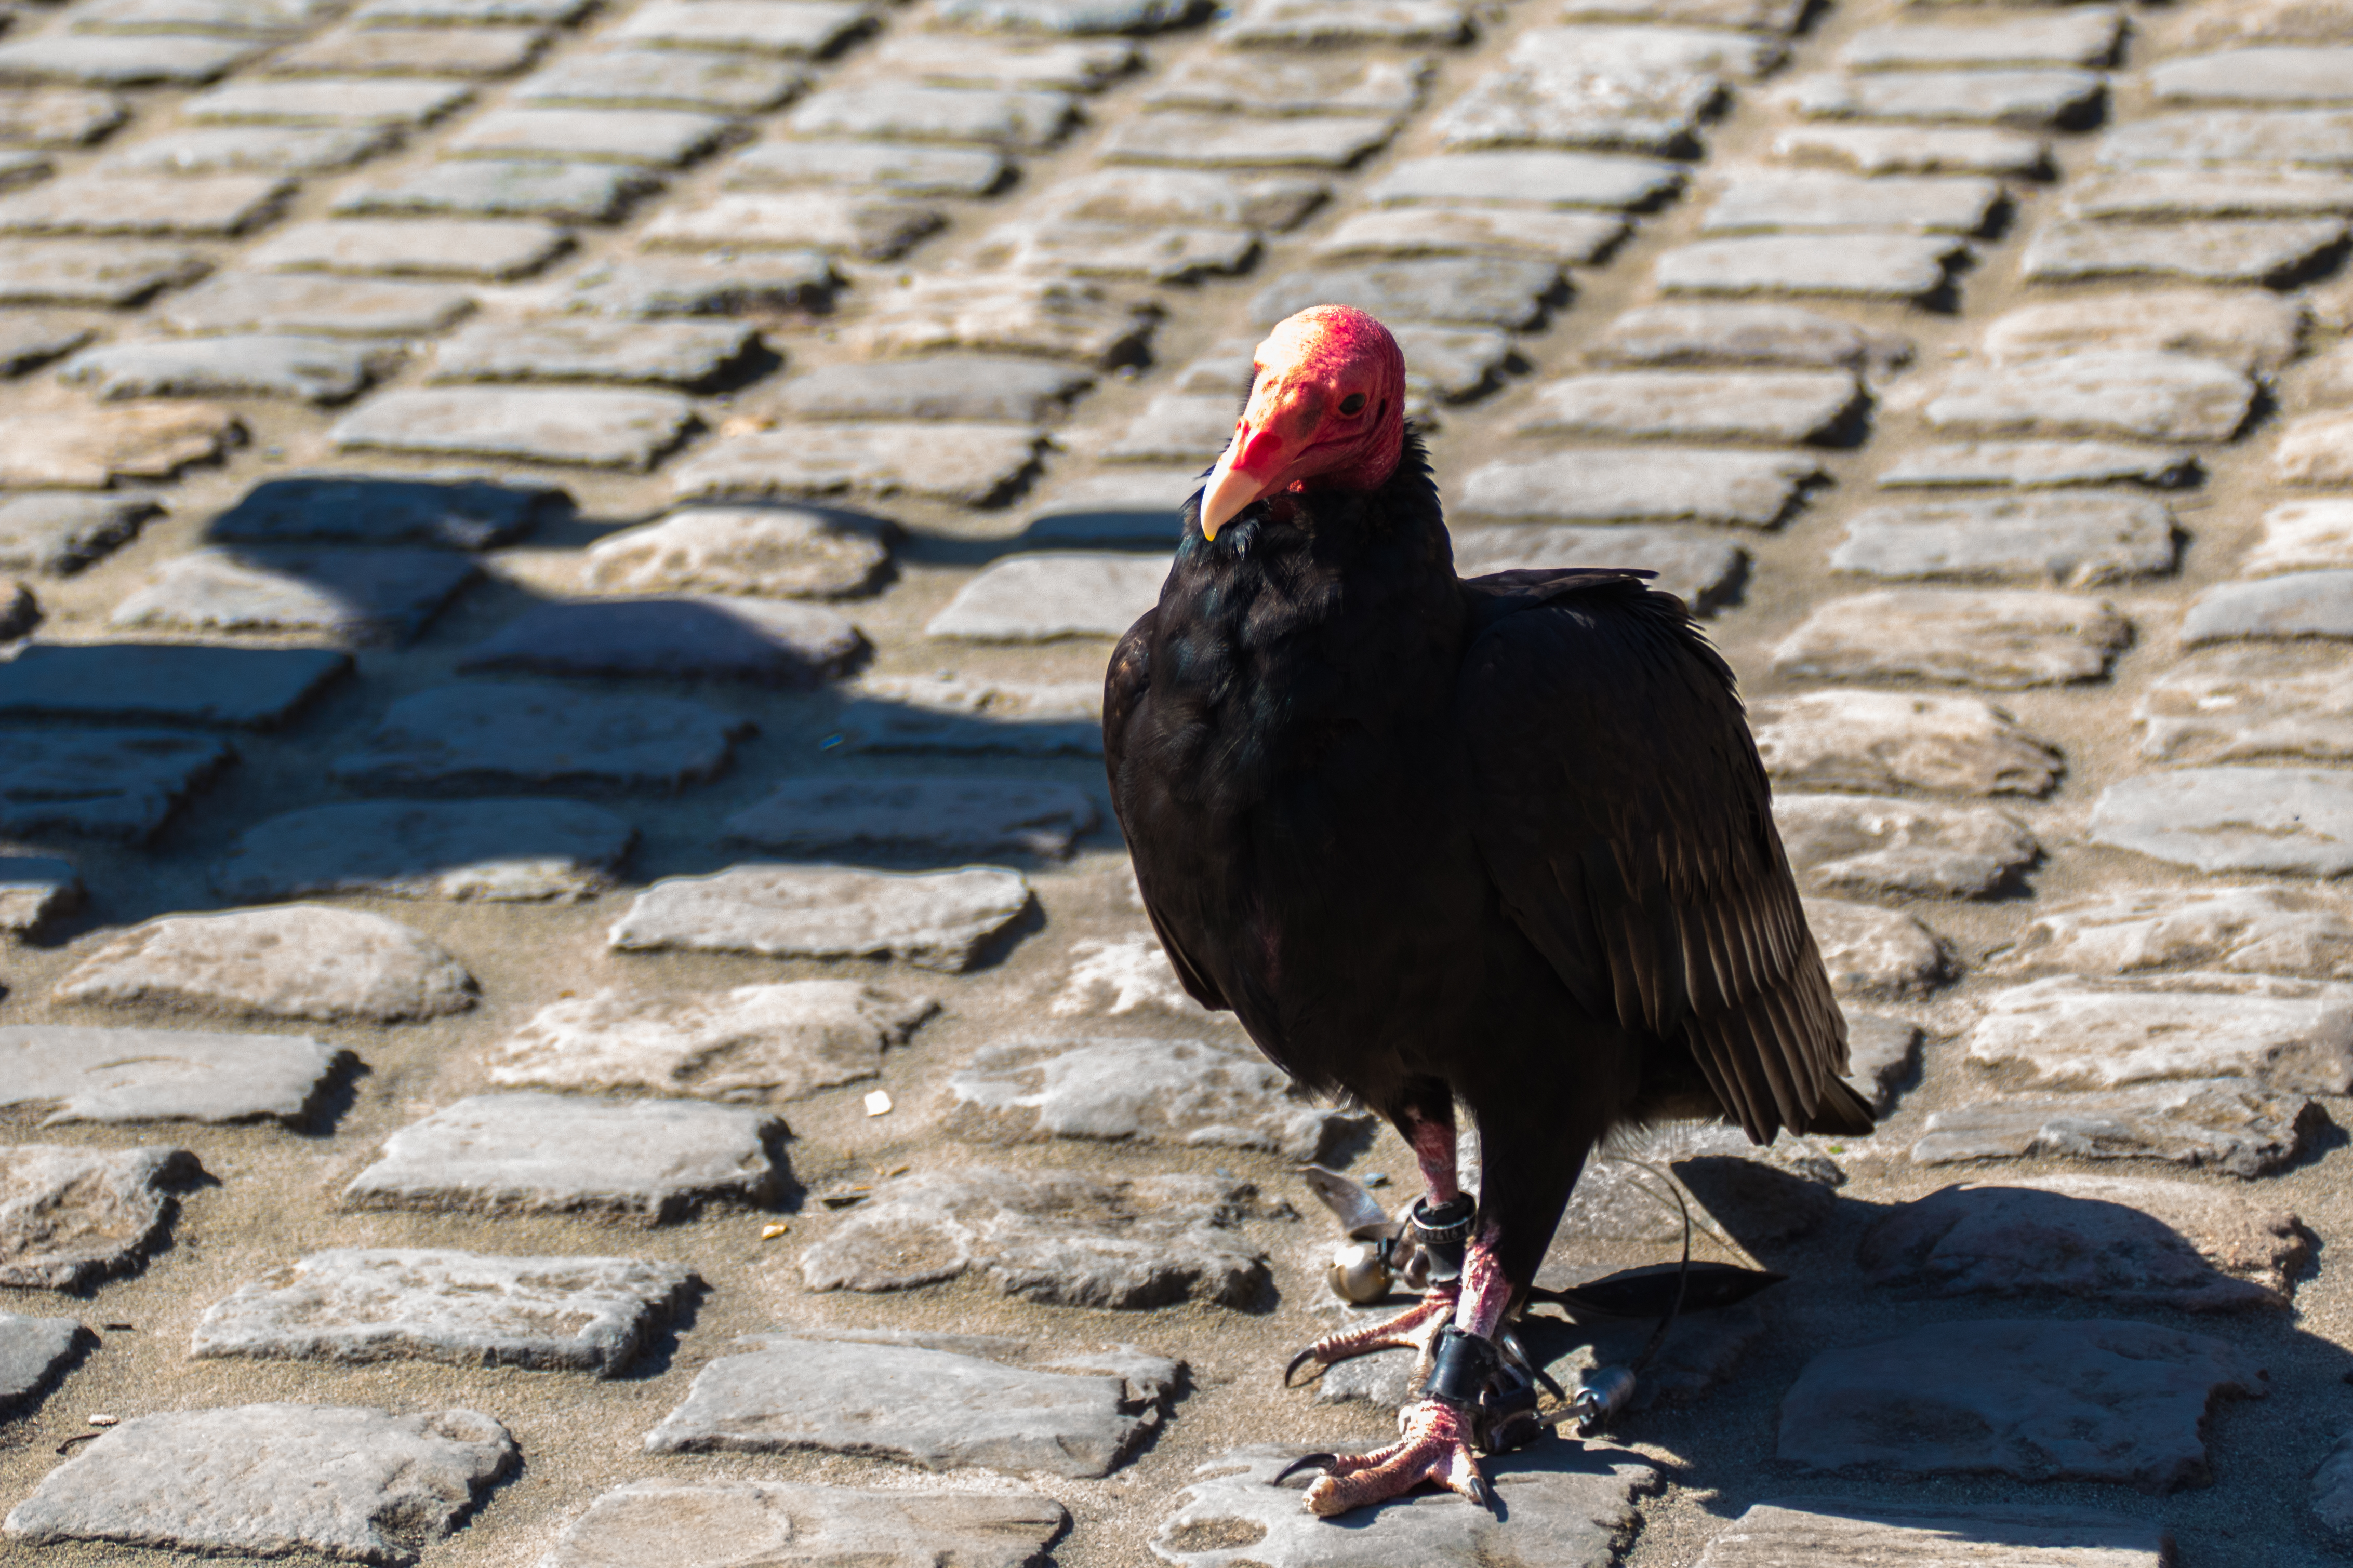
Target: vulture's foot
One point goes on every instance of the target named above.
(1436, 1447)
(1415, 1329)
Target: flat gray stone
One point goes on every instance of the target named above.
(179, 683)
(679, 637)
(1108, 250)
(2315, 449)
(2297, 604)
(59, 116)
(651, 288)
(1569, 238)
(1060, 319)
(2327, 382)
(132, 61)
(651, 1160)
(1876, 952)
(1053, 1238)
(89, 447)
(1474, 291)
(934, 920)
(2070, 539)
(1641, 484)
(942, 386)
(1174, 426)
(2104, 1032)
(248, 150)
(360, 595)
(585, 426)
(2296, 821)
(931, 818)
(686, 355)
(496, 850)
(459, 513)
(1757, 15)
(1242, 84)
(2127, 1242)
(1998, 639)
(472, 735)
(300, 960)
(2248, 930)
(359, 1485)
(2024, 100)
(262, 18)
(760, 1044)
(70, 1216)
(665, 79)
(1916, 149)
(1656, 108)
(1220, 142)
(2085, 36)
(2227, 1124)
(1901, 1535)
(1700, 569)
(306, 369)
(31, 339)
(359, 1306)
(745, 27)
(1883, 742)
(348, 51)
(306, 303)
(35, 889)
(711, 1523)
(2315, 136)
(940, 1402)
(2248, 702)
(1306, 23)
(870, 227)
(2036, 465)
(1873, 845)
(1128, 505)
(1528, 178)
(756, 552)
(1756, 1195)
(164, 1074)
(432, 248)
(1191, 1093)
(895, 168)
(1713, 332)
(1765, 200)
(33, 1351)
(1071, 16)
(648, 138)
(925, 713)
(2090, 1400)
(486, 187)
(1053, 593)
(1785, 405)
(2304, 74)
(1233, 1516)
(1120, 974)
(469, 12)
(356, 100)
(1862, 266)
(1068, 65)
(968, 462)
(2160, 192)
(2275, 252)
(894, 110)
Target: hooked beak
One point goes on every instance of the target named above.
(1248, 469)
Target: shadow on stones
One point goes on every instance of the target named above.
(338, 1092)
(658, 1351)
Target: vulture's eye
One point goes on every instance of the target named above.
(1353, 404)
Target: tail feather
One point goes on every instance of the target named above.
(1842, 1111)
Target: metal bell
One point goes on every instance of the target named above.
(1360, 1272)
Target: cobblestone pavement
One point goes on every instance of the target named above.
(573, 998)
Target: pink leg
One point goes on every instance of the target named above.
(1417, 1328)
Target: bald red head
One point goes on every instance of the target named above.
(1326, 407)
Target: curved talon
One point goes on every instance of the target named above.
(1322, 1463)
(1415, 1329)
(1436, 1447)
(1289, 1372)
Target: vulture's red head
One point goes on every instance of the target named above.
(1326, 407)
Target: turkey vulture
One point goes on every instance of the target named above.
(1503, 843)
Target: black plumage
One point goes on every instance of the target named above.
(1504, 842)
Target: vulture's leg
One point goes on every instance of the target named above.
(1442, 1219)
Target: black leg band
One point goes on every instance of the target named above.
(1463, 1366)
(1443, 1233)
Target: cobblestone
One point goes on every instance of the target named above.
(702, 1524)
(499, 850)
(159, 1075)
(69, 1216)
(936, 921)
